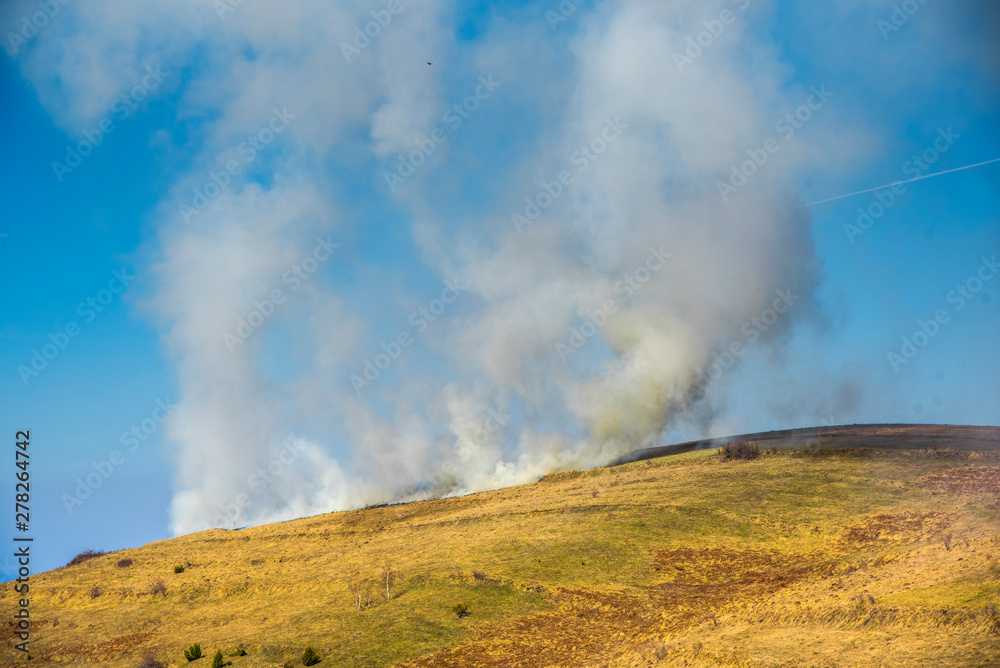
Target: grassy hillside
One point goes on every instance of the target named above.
(831, 558)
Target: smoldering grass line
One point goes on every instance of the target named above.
(897, 183)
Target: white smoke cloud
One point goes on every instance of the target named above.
(420, 431)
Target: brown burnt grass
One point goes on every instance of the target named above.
(104, 650)
(718, 575)
(702, 585)
(590, 627)
(898, 528)
(971, 480)
(933, 437)
(864, 613)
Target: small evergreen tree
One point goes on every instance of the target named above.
(310, 657)
(217, 660)
(193, 652)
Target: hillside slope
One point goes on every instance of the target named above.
(832, 557)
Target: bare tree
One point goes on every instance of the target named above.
(358, 589)
(368, 592)
(388, 577)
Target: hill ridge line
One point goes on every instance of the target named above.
(896, 436)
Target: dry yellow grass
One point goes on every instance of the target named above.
(796, 559)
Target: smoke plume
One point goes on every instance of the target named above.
(356, 318)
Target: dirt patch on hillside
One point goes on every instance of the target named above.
(894, 529)
(695, 586)
(707, 579)
(592, 627)
(108, 649)
(972, 480)
(589, 627)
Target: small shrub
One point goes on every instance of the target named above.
(217, 660)
(158, 587)
(461, 610)
(657, 650)
(739, 450)
(193, 652)
(947, 542)
(310, 657)
(289, 664)
(94, 592)
(239, 652)
(149, 660)
(84, 556)
(178, 568)
(479, 576)
(124, 563)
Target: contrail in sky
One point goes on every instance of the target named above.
(896, 183)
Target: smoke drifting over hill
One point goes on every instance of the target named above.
(384, 279)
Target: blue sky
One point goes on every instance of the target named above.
(492, 348)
